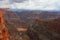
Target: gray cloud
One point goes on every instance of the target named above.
(1, 0)
(38, 5)
(31, 4)
(17, 1)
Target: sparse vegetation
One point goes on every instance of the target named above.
(40, 25)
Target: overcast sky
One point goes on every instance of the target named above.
(31, 4)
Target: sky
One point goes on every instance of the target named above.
(31, 4)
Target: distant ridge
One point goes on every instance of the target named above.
(15, 9)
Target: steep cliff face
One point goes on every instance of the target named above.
(4, 35)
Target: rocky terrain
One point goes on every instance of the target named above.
(40, 25)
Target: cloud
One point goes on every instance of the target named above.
(17, 1)
(4, 4)
(38, 5)
(32, 4)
